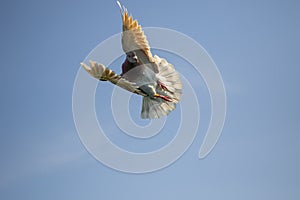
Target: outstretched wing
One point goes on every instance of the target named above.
(134, 39)
(103, 73)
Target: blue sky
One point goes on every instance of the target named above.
(255, 46)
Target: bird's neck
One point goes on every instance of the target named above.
(128, 66)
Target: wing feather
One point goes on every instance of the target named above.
(134, 39)
(106, 74)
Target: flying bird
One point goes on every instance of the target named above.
(149, 76)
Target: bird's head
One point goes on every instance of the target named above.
(131, 57)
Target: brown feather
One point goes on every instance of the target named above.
(134, 39)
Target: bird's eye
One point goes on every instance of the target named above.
(130, 55)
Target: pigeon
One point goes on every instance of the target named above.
(152, 77)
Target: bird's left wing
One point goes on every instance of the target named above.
(134, 39)
(103, 73)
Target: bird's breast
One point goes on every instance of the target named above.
(141, 75)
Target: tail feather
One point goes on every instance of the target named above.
(156, 108)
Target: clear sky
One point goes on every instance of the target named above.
(255, 45)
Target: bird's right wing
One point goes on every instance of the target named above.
(99, 71)
(134, 39)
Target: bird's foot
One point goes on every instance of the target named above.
(164, 87)
(166, 98)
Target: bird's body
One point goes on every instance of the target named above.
(141, 75)
(152, 77)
